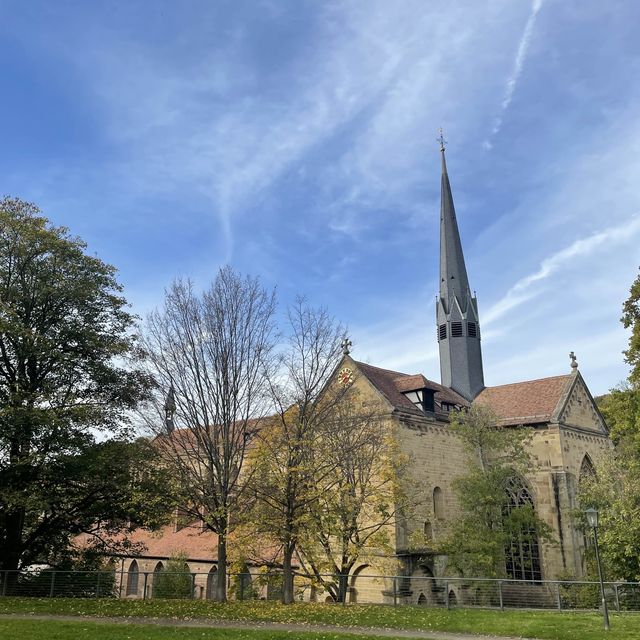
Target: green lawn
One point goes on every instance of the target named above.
(41, 630)
(548, 625)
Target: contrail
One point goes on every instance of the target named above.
(518, 63)
(523, 290)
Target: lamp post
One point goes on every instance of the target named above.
(592, 519)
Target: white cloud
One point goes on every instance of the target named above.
(518, 64)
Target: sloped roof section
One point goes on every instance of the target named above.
(528, 402)
(393, 384)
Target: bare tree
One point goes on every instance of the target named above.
(210, 355)
(289, 479)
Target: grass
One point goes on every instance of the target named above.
(41, 630)
(547, 625)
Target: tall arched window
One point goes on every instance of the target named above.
(522, 553)
(438, 503)
(132, 579)
(211, 582)
(587, 470)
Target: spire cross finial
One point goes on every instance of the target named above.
(346, 346)
(441, 140)
(574, 362)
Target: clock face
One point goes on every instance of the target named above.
(345, 376)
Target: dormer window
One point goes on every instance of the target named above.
(421, 398)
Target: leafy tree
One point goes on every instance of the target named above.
(631, 320)
(66, 339)
(351, 520)
(288, 475)
(488, 522)
(615, 492)
(175, 579)
(210, 355)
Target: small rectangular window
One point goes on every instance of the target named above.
(456, 329)
(472, 330)
(442, 332)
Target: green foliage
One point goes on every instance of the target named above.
(621, 411)
(631, 320)
(497, 462)
(66, 345)
(615, 492)
(175, 580)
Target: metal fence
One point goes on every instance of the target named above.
(420, 590)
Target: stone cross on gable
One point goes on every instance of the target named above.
(574, 362)
(346, 346)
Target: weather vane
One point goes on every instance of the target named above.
(441, 140)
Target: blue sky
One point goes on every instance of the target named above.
(296, 140)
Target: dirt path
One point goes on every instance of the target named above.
(269, 626)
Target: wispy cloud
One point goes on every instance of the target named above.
(525, 288)
(518, 64)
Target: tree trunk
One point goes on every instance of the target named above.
(343, 586)
(287, 574)
(221, 574)
(12, 551)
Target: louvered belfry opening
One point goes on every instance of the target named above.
(442, 332)
(456, 329)
(472, 329)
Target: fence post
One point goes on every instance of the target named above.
(98, 585)
(559, 596)
(193, 586)
(500, 595)
(4, 582)
(617, 595)
(53, 584)
(395, 591)
(144, 587)
(446, 594)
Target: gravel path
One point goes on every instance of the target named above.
(270, 626)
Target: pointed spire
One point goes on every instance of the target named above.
(456, 309)
(453, 272)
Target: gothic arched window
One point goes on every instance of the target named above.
(587, 470)
(522, 552)
(212, 580)
(132, 579)
(438, 503)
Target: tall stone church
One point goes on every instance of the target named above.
(569, 433)
(569, 436)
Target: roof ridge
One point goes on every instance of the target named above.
(372, 366)
(513, 384)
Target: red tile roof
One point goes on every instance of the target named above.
(166, 542)
(392, 384)
(528, 402)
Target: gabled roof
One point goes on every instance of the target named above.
(528, 402)
(392, 384)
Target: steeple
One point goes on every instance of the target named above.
(457, 308)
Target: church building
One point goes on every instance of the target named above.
(569, 433)
(569, 437)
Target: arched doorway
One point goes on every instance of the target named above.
(133, 577)
(157, 570)
(423, 586)
(356, 584)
